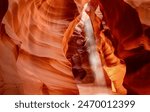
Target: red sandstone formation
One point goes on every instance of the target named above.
(125, 26)
(35, 29)
(130, 41)
(43, 53)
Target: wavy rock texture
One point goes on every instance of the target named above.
(36, 33)
(77, 47)
(33, 62)
(138, 77)
(133, 42)
(37, 28)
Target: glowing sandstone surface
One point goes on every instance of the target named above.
(49, 47)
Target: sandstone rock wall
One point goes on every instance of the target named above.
(32, 60)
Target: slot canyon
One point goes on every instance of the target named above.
(74, 47)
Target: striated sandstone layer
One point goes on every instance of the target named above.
(36, 28)
(33, 60)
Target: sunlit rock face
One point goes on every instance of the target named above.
(143, 9)
(87, 68)
(43, 53)
(37, 28)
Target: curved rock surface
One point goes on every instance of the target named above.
(36, 27)
(143, 9)
(33, 60)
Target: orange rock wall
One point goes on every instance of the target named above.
(33, 61)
